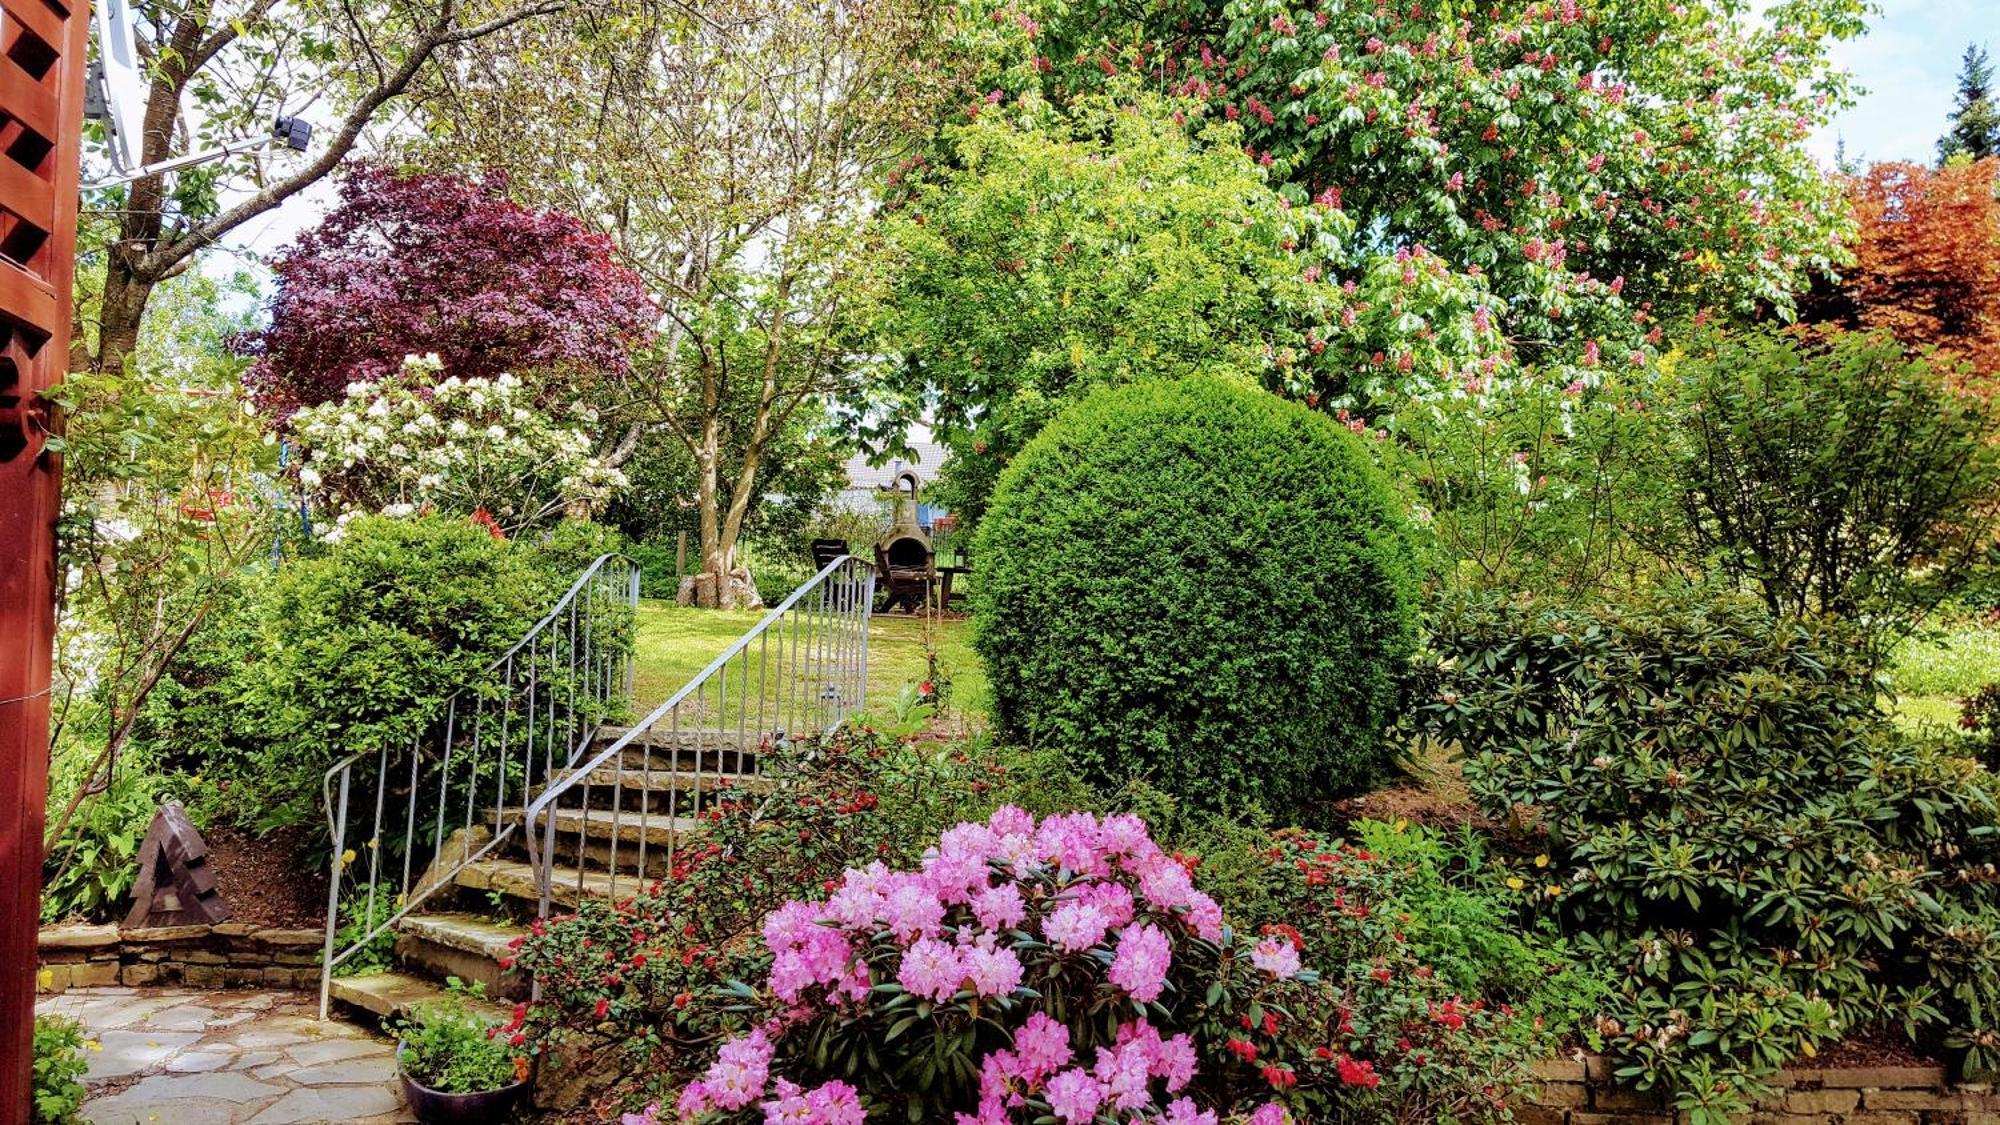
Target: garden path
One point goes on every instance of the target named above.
(184, 1057)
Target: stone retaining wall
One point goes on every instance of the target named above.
(226, 955)
(1583, 1093)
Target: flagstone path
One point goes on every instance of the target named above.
(169, 1056)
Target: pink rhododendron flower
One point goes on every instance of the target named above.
(911, 909)
(1123, 1072)
(1276, 956)
(1111, 900)
(1140, 966)
(1270, 1113)
(1074, 1096)
(993, 972)
(1042, 1045)
(1182, 1111)
(835, 1103)
(735, 1079)
(1075, 927)
(999, 908)
(931, 969)
(1204, 916)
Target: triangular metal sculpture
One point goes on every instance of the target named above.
(176, 886)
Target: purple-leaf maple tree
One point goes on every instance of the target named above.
(413, 264)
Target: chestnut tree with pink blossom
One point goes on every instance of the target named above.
(1603, 164)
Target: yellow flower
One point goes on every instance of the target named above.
(1554, 891)
(1402, 822)
(1542, 860)
(93, 1044)
(1516, 883)
(45, 979)
(347, 857)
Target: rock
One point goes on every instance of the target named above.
(77, 937)
(457, 850)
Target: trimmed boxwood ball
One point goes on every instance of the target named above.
(1202, 584)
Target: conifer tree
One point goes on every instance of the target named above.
(1975, 116)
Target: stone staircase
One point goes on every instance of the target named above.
(615, 832)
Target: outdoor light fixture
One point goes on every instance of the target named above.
(116, 94)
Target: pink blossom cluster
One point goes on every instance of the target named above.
(1094, 866)
(1119, 1080)
(949, 933)
(741, 1074)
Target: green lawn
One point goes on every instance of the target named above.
(1931, 676)
(676, 643)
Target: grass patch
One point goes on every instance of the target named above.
(676, 643)
(1932, 674)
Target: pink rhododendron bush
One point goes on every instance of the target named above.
(1070, 969)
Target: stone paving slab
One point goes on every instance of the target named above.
(170, 1056)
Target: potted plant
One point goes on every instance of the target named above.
(455, 1071)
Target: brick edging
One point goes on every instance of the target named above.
(1582, 1092)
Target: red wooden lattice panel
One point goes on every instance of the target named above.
(42, 59)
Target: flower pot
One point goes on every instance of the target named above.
(435, 1107)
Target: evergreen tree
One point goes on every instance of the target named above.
(1975, 121)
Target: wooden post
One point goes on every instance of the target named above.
(42, 53)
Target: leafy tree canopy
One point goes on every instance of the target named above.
(1068, 251)
(1599, 166)
(417, 264)
(1927, 261)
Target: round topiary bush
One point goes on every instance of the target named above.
(1202, 584)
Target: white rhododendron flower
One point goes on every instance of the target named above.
(418, 443)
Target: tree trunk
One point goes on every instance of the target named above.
(120, 315)
(722, 582)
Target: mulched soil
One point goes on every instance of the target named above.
(268, 880)
(1415, 804)
(1869, 1047)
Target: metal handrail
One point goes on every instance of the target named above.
(594, 673)
(498, 662)
(827, 646)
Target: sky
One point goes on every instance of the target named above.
(1907, 64)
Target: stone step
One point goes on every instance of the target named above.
(516, 879)
(389, 995)
(662, 747)
(465, 946)
(468, 933)
(626, 826)
(667, 780)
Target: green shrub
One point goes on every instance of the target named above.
(565, 550)
(58, 1071)
(1832, 473)
(449, 1047)
(1755, 856)
(91, 870)
(777, 567)
(1979, 718)
(1201, 584)
(354, 647)
(657, 578)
